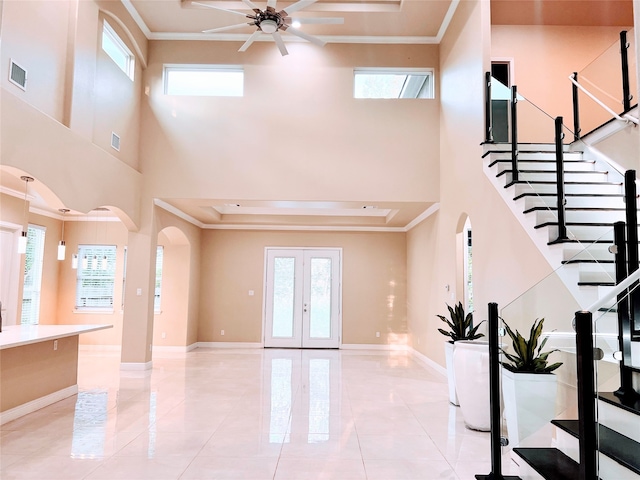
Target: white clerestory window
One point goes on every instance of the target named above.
(204, 80)
(117, 50)
(392, 83)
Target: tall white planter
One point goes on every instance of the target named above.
(529, 402)
(471, 366)
(451, 376)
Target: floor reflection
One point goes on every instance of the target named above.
(90, 424)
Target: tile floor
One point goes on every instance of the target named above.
(252, 415)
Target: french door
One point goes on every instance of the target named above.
(302, 298)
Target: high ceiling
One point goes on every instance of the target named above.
(365, 21)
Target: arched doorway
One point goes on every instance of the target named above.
(171, 297)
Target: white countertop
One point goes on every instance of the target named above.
(18, 335)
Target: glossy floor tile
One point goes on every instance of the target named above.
(252, 415)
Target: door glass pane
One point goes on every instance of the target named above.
(320, 298)
(283, 296)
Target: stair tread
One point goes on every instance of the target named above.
(549, 194)
(550, 463)
(628, 405)
(614, 445)
(576, 224)
(590, 260)
(575, 209)
(596, 284)
(538, 160)
(586, 172)
(542, 182)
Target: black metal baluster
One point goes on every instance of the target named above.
(562, 223)
(587, 427)
(624, 325)
(576, 109)
(630, 195)
(488, 120)
(514, 134)
(494, 397)
(624, 57)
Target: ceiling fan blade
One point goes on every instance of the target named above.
(317, 20)
(206, 5)
(271, 3)
(251, 39)
(306, 36)
(229, 27)
(280, 43)
(298, 6)
(251, 5)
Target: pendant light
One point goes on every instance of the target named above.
(62, 246)
(22, 242)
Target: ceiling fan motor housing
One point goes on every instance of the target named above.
(269, 21)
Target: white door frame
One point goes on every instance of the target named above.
(310, 343)
(11, 273)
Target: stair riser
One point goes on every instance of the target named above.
(574, 202)
(551, 177)
(609, 469)
(583, 233)
(619, 420)
(537, 164)
(543, 216)
(591, 253)
(613, 188)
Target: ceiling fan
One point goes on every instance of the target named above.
(270, 21)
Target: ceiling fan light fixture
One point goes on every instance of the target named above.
(269, 26)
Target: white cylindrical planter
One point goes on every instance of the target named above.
(471, 365)
(451, 376)
(529, 402)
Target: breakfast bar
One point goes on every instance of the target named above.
(38, 366)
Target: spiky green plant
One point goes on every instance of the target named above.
(461, 327)
(526, 359)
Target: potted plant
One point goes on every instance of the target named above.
(528, 385)
(460, 328)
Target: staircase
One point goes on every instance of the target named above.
(594, 201)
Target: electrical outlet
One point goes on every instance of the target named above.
(164, 334)
(378, 334)
(251, 293)
(221, 332)
(55, 344)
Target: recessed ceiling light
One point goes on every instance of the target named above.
(296, 24)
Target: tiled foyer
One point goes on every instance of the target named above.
(250, 414)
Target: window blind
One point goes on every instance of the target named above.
(95, 277)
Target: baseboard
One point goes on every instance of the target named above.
(228, 345)
(374, 346)
(37, 404)
(135, 366)
(428, 362)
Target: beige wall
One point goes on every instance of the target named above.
(543, 58)
(180, 283)
(505, 261)
(373, 292)
(92, 233)
(34, 35)
(296, 134)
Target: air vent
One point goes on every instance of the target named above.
(18, 75)
(115, 141)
